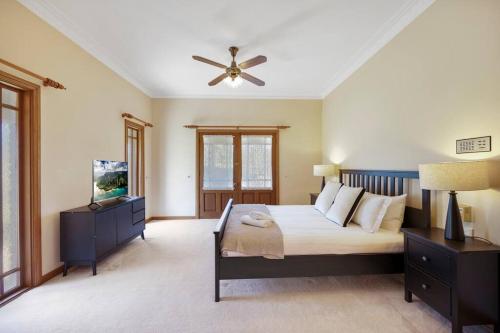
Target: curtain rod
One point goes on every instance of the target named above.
(46, 81)
(131, 116)
(236, 126)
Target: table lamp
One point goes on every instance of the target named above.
(454, 176)
(324, 170)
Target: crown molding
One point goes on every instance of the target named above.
(385, 34)
(240, 96)
(67, 27)
(382, 37)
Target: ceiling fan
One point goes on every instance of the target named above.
(233, 75)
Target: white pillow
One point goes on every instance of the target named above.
(345, 204)
(326, 197)
(393, 219)
(371, 211)
(394, 216)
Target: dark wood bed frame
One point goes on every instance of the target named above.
(374, 181)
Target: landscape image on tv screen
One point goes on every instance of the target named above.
(110, 179)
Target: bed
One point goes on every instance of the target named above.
(323, 250)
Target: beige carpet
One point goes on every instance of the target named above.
(165, 284)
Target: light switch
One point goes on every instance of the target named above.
(474, 145)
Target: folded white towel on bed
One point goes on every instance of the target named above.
(256, 215)
(246, 219)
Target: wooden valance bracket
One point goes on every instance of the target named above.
(130, 116)
(46, 81)
(237, 127)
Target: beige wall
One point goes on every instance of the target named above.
(78, 125)
(437, 81)
(174, 146)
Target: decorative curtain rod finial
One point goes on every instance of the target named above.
(46, 81)
(54, 84)
(131, 116)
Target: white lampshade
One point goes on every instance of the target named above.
(455, 176)
(325, 170)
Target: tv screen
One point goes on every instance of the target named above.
(110, 179)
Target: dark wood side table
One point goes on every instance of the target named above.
(460, 280)
(313, 196)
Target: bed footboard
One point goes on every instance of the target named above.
(219, 233)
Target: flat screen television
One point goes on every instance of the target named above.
(110, 180)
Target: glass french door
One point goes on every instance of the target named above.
(10, 227)
(237, 165)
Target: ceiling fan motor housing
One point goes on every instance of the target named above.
(233, 71)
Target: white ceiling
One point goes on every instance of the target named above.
(311, 46)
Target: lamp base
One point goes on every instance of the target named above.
(323, 183)
(454, 229)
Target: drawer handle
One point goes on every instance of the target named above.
(425, 286)
(425, 259)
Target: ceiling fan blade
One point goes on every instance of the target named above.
(208, 61)
(217, 79)
(252, 79)
(253, 62)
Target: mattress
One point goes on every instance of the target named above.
(308, 232)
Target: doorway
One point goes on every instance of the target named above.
(20, 238)
(238, 165)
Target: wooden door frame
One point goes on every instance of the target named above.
(140, 130)
(30, 175)
(201, 132)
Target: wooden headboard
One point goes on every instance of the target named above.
(387, 182)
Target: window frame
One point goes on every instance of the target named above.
(140, 172)
(272, 161)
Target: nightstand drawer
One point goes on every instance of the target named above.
(430, 260)
(430, 290)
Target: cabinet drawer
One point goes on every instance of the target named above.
(430, 260)
(430, 290)
(138, 205)
(138, 216)
(137, 228)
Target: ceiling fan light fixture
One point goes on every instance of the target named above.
(233, 76)
(233, 82)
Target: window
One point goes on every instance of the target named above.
(134, 155)
(257, 163)
(218, 162)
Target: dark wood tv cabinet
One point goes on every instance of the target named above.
(88, 235)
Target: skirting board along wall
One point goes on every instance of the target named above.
(165, 218)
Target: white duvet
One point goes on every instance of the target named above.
(307, 232)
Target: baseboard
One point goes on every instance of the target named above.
(163, 218)
(52, 274)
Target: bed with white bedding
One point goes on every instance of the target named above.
(315, 246)
(306, 231)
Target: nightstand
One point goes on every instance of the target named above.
(313, 196)
(457, 279)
